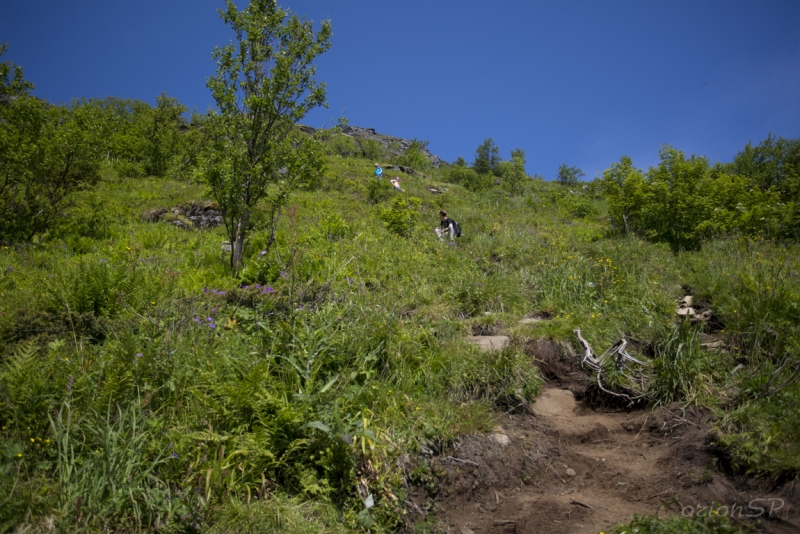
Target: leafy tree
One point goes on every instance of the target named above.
(772, 163)
(414, 156)
(144, 140)
(624, 187)
(569, 175)
(12, 83)
(683, 201)
(487, 158)
(467, 177)
(47, 153)
(513, 172)
(263, 85)
(162, 134)
(460, 162)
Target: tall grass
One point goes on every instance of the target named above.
(143, 387)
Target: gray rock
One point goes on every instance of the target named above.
(489, 343)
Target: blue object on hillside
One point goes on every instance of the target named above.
(379, 172)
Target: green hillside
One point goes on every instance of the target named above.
(147, 385)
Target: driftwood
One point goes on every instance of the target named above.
(621, 361)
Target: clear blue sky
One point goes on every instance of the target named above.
(580, 82)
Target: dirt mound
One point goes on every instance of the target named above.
(565, 467)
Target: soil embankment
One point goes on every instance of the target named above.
(566, 467)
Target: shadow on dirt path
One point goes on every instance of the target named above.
(565, 467)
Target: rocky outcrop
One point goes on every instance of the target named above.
(393, 146)
(188, 215)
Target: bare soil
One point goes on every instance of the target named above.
(565, 466)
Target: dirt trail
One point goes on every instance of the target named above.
(563, 467)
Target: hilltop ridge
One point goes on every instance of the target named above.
(393, 146)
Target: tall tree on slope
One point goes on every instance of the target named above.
(263, 86)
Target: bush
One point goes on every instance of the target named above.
(401, 216)
(684, 201)
(343, 145)
(372, 149)
(470, 179)
(378, 190)
(48, 153)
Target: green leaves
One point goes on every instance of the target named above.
(264, 84)
(684, 201)
(569, 176)
(47, 153)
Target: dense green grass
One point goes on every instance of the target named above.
(143, 386)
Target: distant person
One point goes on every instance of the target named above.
(447, 226)
(396, 183)
(378, 171)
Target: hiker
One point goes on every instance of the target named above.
(447, 226)
(396, 183)
(378, 171)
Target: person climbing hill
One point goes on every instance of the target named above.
(396, 183)
(378, 171)
(447, 226)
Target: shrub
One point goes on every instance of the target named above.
(401, 216)
(343, 145)
(372, 149)
(469, 178)
(378, 190)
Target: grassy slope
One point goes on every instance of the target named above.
(123, 405)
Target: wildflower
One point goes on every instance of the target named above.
(175, 455)
(283, 274)
(209, 319)
(153, 303)
(213, 310)
(139, 354)
(245, 287)
(268, 289)
(212, 326)
(32, 440)
(19, 455)
(195, 319)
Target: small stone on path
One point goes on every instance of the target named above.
(489, 343)
(500, 439)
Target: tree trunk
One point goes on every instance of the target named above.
(238, 243)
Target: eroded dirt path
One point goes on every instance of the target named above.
(562, 467)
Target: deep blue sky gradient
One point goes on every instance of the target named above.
(580, 82)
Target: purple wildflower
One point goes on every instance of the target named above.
(195, 319)
(210, 319)
(269, 289)
(283, 274)
(245, 287)
(212, 326)
(139, 354)
(175, 455)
